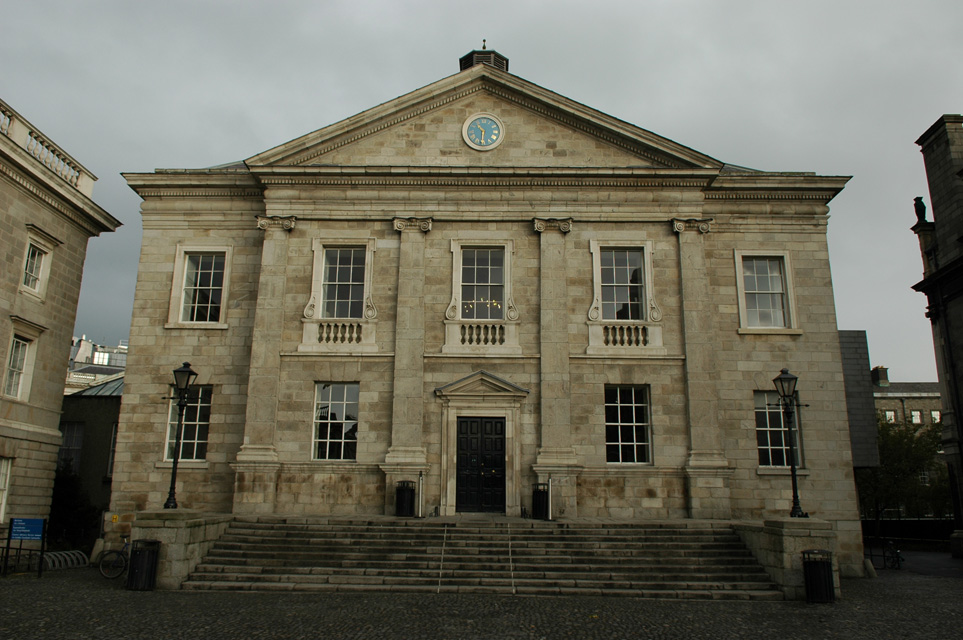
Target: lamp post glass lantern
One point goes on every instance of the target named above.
(786, 388)
(184, 377)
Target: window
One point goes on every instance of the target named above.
(481, 318)
(5, 466)
(33, 267)
(200, 287)
(916, 417)
(72, 445)
(340, 315)
(889, 417)
(16, 367)
(936, 417)
(101, 357)
(22, 353)
(482, 283)
(36, 261)
(765, 292)
(203, 283)
(336, 421)
(624, 317)
(623, 284)
(764, 287)
(771, 437)
(627, 424)
(924, 477)
(197, 422)
(343, 291)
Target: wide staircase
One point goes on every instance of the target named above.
(525, 557)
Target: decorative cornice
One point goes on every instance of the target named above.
(285, 223)
(381, 126)
(818, 196)
(702, 225)
(448, 181)
(562, 224)
(178, 192)
(412, 224)
(68, 212)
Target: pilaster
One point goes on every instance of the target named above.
(257, 460)
(707, 470)
(407, 454)
(556, 455)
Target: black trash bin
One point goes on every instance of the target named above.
(405, 499)
(142, 571)
(540, 501)
(818, 573)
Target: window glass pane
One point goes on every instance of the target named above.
(623, 284)
(32, 267)
(772, 439)
(196, 425)
(203, 282)
(342, 286)
(627, 428)
(335, 421)
(482, 291)
(16, 366)
(765, 291)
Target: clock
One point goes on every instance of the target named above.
(483, 131)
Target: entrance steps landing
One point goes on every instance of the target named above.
(683, 559)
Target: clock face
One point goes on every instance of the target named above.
(483, 131)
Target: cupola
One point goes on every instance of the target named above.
(491, 58)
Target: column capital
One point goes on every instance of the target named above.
(412, 224)
(285, 223)
(562, 224)
(702, 225)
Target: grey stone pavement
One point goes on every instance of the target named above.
(923, 600)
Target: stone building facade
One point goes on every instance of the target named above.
(942, 252)
(479, 287)
(46, 218)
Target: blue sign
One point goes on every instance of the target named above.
(26, 528)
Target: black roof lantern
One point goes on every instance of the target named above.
(484, 56)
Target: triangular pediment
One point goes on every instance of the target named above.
(480, 383)
(425, 128)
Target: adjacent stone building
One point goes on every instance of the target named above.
(479, 287)
(46, 218)
(942, 252)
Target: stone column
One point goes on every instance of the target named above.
(406, 456)
(556, 459)
(707, 470)
(257, 464)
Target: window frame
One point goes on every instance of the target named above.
(178, 284)
(322, 334)
(195, 400)
(889, 415)
(936, 416)
(791, 326)
(616, 336)
(317, 422)
(6, 472)
(45, 244)
(483, 337)
(618, 427)
(29, 334)
(916, 416)
(771, 409)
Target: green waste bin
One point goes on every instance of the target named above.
(142, 571)
(818, 574)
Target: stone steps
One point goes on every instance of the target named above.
(528, 557)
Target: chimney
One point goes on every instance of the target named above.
(880, 376)
(491, 58)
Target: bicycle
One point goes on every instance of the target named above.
(892, 558)
(114, 563)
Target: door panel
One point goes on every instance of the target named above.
(480, 471)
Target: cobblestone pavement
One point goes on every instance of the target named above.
(79, 603)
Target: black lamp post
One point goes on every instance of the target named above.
(786, 387)
(184, 377)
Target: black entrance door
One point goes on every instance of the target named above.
(481, 465)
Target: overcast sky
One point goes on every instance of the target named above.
(840, 87)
